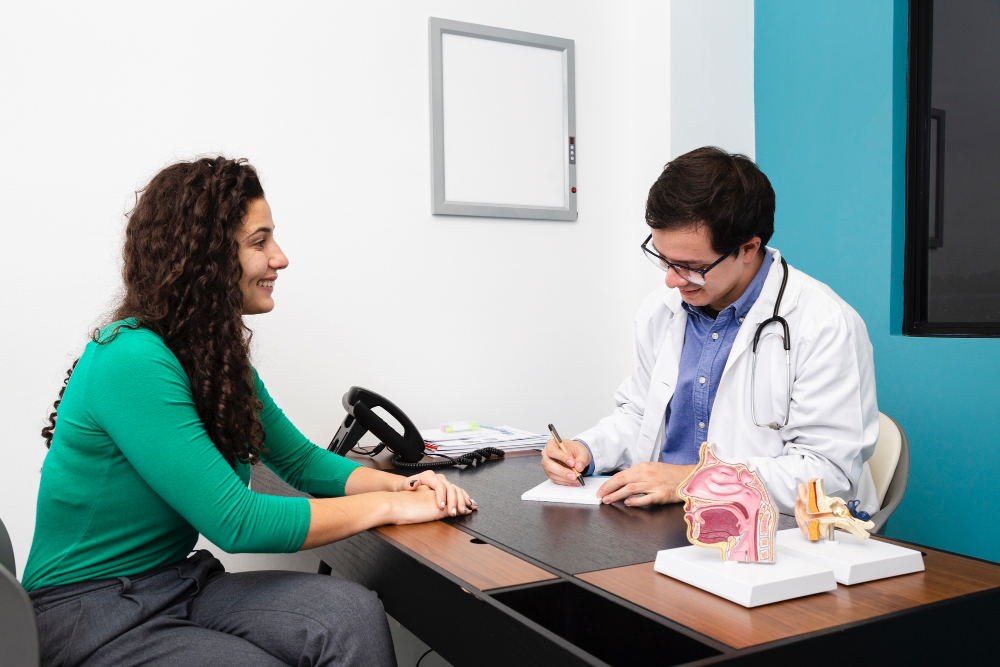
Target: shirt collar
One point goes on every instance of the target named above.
(742, 305)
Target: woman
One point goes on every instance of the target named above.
(159, 422)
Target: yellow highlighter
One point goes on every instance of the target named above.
(455, 427)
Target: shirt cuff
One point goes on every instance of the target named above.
(590, 468)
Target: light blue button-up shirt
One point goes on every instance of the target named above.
(707, 344)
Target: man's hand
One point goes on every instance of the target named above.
(657, 481)
(559, 466)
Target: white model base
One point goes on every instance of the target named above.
(852, 559)
(748, 584)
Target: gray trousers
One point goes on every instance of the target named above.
(194, 613)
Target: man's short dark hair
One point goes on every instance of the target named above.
(726, 192)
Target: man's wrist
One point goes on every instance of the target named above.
(590, 466)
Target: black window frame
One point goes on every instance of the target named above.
(918, 233)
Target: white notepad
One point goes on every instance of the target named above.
(550, 492)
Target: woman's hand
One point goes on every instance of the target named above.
(417, 507)
(452, 499)
(376, 498)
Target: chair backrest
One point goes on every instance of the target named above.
(18, 628)
(6, 550)
(883, 461)
(890, 468)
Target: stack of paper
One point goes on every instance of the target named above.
(550, 492)
(509, 439)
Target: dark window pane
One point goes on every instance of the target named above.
(963, 276)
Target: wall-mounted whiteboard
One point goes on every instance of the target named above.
(503, 126)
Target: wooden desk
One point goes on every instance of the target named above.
(523, 583)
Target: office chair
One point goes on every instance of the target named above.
(890, 468)
(18, 629)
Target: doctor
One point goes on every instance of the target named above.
(810, 412)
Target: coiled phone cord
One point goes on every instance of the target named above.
(470, 459)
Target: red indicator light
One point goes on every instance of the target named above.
(574, 189)
(571, 140)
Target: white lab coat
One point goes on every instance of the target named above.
(833, 421)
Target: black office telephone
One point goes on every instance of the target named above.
(408, 447)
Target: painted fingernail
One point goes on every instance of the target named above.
(453, 511)
(413, 482)
(442, 505)
(473, 502)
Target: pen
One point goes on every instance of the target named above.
(552, 430)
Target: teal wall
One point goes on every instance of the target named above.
(830, 103)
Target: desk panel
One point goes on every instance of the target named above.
(482, 565)
(946, 576)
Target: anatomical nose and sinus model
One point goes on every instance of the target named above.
(726, 507)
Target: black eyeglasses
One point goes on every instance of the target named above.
(696, 276)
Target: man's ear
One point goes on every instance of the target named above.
(748, 251)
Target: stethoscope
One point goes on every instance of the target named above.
(786, 342)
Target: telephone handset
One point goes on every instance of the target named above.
(408, 447)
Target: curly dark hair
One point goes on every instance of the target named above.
(182, 281)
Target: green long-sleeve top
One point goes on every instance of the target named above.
(132, 476)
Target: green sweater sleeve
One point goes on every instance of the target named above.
(139, 393)
(294, 458)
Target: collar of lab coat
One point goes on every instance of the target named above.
(763, 308)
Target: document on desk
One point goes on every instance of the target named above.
(507, 438)
(550, 492)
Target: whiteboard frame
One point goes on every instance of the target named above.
(441, 206)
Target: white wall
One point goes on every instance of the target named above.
(712, 75)
(692, 85)
(521, 322)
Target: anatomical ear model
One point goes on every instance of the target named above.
(817, 513)
(727, 508)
